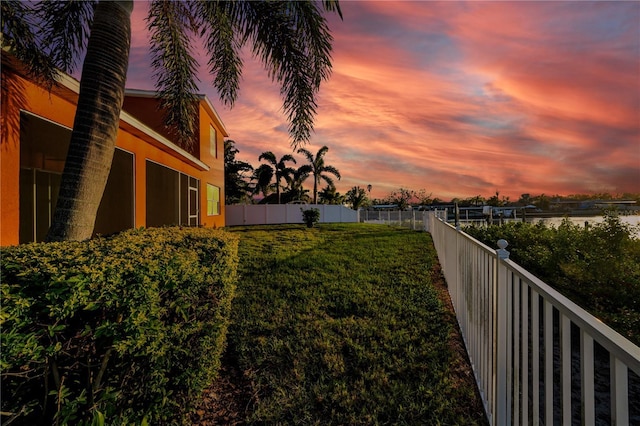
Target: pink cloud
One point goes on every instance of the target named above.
(463, 98)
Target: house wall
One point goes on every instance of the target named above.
(59, 107)
(17, 94)
(147, 110)
(215, 175)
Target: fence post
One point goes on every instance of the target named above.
(502, 401)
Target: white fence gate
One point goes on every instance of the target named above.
(269, 214)
(538, 358)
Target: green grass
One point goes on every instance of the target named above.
(341, 324)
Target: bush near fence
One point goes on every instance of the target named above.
(120, 330)
(598, 267)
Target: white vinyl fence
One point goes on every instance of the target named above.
(269, 214)
(538, 358)
(407, 218)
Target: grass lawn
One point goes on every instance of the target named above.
(342, 324)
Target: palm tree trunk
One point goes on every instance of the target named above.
(315, 189)
(96, 122)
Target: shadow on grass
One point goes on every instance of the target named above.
(346, 327)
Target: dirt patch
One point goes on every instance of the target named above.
(227, 400)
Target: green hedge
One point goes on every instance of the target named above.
(119, 330)
(597, 267)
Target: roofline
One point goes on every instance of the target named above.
(212, 111)
(203, 98)
(65, 81)
(162, 142)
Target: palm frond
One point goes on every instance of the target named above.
(293, 43)
(172, 26)
(333, 6)
(269, 156)
(65, 30)
(332, 170)
(20, 24)
(314, 32)
(321, 152)
(287, 157)
(326, 179)
(305, 169)
(223, 35)
(263, 176)
(306, 153)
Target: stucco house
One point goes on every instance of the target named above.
(153, 182)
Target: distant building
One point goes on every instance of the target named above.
(568, 205)
(152, 182)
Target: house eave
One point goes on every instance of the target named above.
(139, 129)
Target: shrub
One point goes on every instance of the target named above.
(310, 216)
(598, 267)
(129, 328)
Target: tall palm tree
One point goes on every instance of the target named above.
(319, 169)
(279, 167)
(290, 38)
(295, 191)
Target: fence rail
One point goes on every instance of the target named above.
(538, 358)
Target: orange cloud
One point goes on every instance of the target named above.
(463, 98)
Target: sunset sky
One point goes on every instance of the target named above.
(460, 98)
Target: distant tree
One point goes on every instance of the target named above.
(279, 167)
(478, 200)
(497, 201)
(402, 198)
(261, 179)
(525, 199)
(295, 191)
(237, 188)
(424, 198)
(542, 201)
(329, 195)
(357, 197)
(319, 169)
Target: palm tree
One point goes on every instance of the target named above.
(290, 38)
(329, 195)
(279, 168)
(296, 192)
(357, 197)
(319, 170)
(262, 177)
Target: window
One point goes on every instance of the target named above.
(213, 200)
(213, 141)
(43, 149)
(172, 197)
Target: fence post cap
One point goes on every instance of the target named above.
(502, 252)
